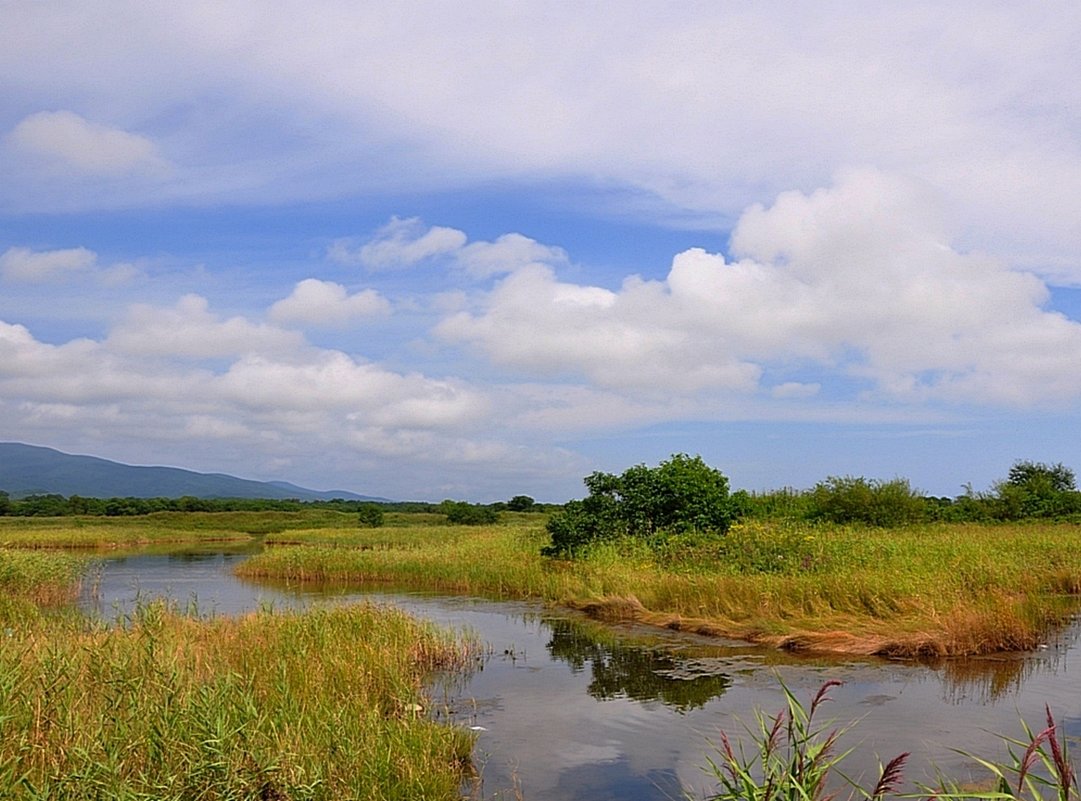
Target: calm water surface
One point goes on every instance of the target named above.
(566, 709)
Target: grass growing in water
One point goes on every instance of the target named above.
(324, 704)
(792, 758)
(315, 705)
(934, 590)
(31, 580)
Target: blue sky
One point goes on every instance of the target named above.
(427, 250)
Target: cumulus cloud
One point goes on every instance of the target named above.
(399, 243)
(331, 380)
(24, 264)
(406, 242)
(190, 330)
(506, 254)
(858, 279)
(277, 401)
(535, 323)
(325, 303)
(65, 139)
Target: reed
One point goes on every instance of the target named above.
(325, 704)
(933, 590)
(43, 579)
(791, 757)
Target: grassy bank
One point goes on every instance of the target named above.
(316, 705)
(161, 528)
(932, 590)
(323, 704)
(33, 580)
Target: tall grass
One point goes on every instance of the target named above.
(317, 705)
(791, 757)
(932, 590)
(31, 580)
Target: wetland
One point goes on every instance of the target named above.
(497, 694)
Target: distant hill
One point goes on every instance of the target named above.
(33, 470)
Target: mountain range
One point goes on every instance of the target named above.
(34, 470)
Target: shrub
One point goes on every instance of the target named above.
(370, 515)
(857, 500)
(521, 503)
(468, 514)
(679, 496)
(1035, 489)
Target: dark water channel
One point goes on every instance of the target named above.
(567, 709)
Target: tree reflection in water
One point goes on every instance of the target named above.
(638, 673)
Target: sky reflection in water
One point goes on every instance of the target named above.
(570, 709)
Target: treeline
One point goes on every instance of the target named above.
(681, 494)
(1030, 490)
(54, 505)
(660, 506)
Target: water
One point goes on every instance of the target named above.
(567, 709)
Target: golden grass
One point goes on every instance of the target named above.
(937, 589)
(934, 590)
(318, 705)
(321, 704)
(162, 527)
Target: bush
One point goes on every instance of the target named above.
(370, 515)
(521, 503)
(468, 514)
(1035, 489)
(857, 500)
(679, 496)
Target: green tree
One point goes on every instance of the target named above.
(1035, 489)
(521, 503)
(5, 503)
(1053, 477)
(370, 515)
(859, 500)
(462, 513)
(681, 495)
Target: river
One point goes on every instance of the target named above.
(566, 709)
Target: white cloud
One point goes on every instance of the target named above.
(858, 279)
(329, 380)
(534, 322)
(406, 242)
(707, 108)
(324, 303)
(290, 406)
(64, 138)
(506, 254)
(23, 264)
(399, 243)
(190, 330)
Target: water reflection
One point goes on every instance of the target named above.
(639, 674)
(566, 708)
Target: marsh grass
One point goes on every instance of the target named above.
(316, 705)
(933, 590)
(162, 527)
(43, 579)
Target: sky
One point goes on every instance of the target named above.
(427, 250)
